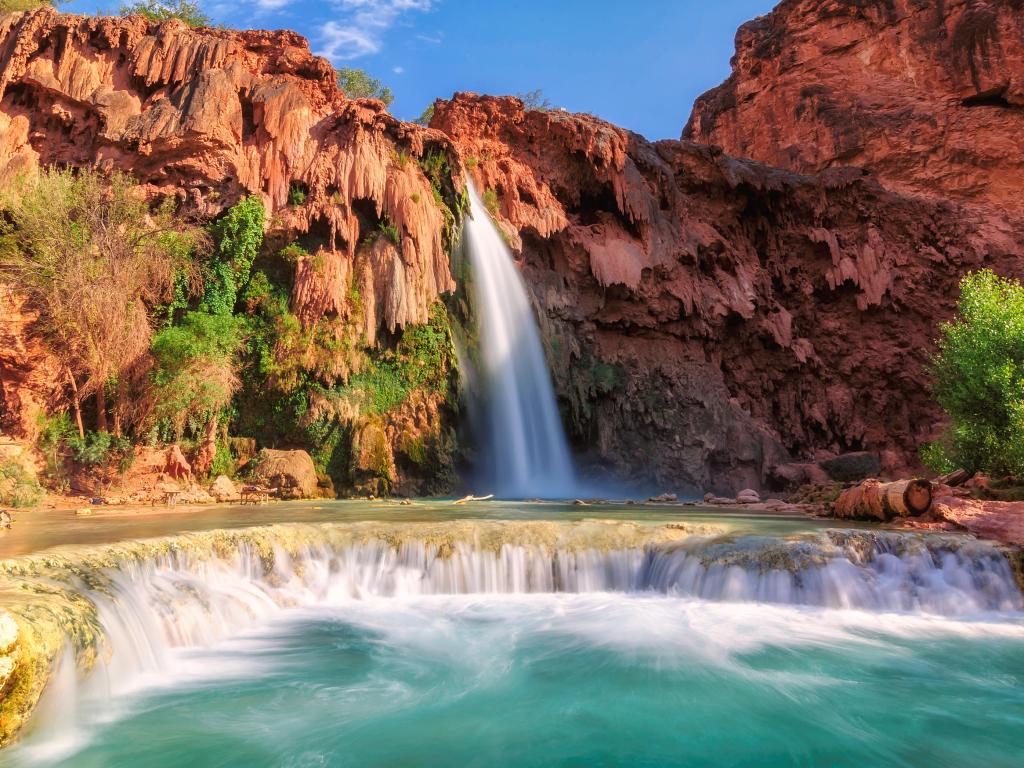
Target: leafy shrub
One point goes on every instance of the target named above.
(357, 84)
(196, 370)
(161, 10)
(390, 231)
(296, 195)
(17, 487)
(54, 432)
(238, 236)
(979, 378)
(101, 450)
(490, 200)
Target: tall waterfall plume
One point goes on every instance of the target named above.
(524, 449)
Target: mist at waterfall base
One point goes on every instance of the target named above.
(523, 449)
(367, 655)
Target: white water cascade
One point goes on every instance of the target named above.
(146, 603)
(525, 453)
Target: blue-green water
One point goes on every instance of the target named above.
(582, 680)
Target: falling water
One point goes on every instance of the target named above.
(524, 447)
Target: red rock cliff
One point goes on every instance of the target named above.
(707, 315)
(211, 115)
(927, 94)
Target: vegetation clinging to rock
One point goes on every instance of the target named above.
(161, 10)
(357, 84)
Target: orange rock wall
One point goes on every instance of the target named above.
(707, 315)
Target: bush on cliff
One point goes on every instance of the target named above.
(357, 84)
(161, 10)
(979, 379)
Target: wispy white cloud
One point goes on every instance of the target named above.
(398, 70)
(272, 5)
(361, 30)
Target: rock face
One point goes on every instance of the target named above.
(928, 95)
(29, 375)
(706, 316)
(209, 116)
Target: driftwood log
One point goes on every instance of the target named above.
(875, 500)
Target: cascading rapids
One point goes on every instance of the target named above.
(524, 449)
(121, 611)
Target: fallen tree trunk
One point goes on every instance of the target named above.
(875, 500)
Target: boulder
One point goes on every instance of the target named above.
(176, 465)
(223, 489)
(664, 498)
(748, 496)
(795, 474)
(292, 472)
(852, 466)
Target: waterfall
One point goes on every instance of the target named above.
(524, 449)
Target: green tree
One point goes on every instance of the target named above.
(94, 259)
(357, 84)
(161, 10)
(979, 378)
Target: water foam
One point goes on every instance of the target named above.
(147, 607)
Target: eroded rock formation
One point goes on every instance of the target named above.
(705, 314)
(211, 115)
(928, 95)
(707, 317)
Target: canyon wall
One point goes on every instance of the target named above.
(708, 316)
(208, 116)
(928, 95)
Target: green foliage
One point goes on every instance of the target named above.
(161, 10)
(936, 457)
(357, 84)
(223, 461)
(97, 262)
(535, 100)
(426, 115)
(296, 195)
(420, 361)
(16, 6)
(101, 450)
(979, 378)
(17, 487)
(238, 236)
(196, 369)
(390, 231)
(54, 432)
(400, 157)
(491, 203)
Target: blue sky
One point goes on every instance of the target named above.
(639, 64)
